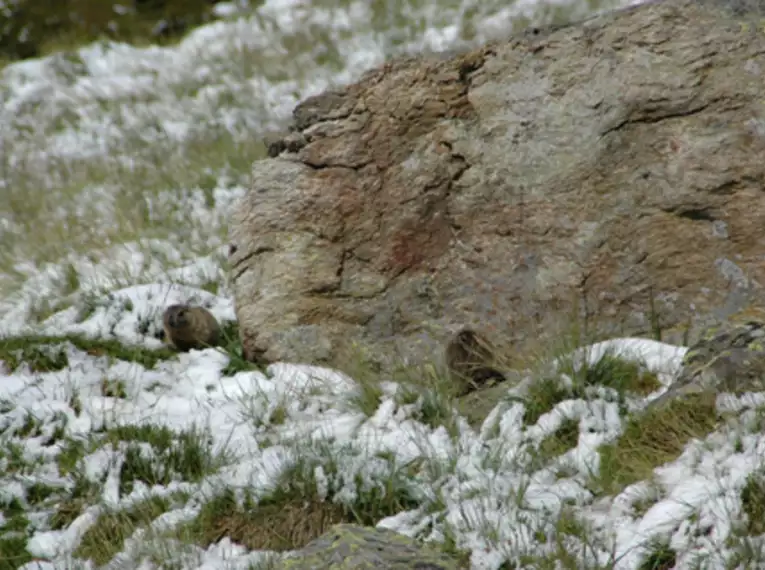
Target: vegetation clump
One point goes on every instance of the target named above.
(654, 438)
(31, 28)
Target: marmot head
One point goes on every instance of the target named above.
(467, 337)
(176, 316)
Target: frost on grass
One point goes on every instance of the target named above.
(120, 460)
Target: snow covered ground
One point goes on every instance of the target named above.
(118, 167)
(482, 486)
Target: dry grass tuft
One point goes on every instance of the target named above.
(654, 438)
(277, 526)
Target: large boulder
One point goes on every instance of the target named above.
(611, 169)
(353, 547)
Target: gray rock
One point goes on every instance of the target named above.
(730, 357)
(580, 172)
(353, 547)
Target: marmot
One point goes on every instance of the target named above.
(469, 357)
(188, 327)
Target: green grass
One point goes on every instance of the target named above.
(306, 501)
(174, 456)
(427, 388)
(67, 212)
(13, 552)
(661, 557)
(187, 455)
(106, 538)
(13, 535)
(231, 344)
(83, 494)
(654, 438)
(753, 502)
(565, 437)
(625, 377)
(296, 510)
(47, 354)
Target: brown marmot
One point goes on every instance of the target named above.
(188, 327)
(469, 357)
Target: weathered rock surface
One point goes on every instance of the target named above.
(729, 358)
(354, 547)
(585, 170)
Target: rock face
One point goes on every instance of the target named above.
(606, 169)
(729, 357)
(353, 547)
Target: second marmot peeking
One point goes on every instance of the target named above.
(469, 358)
(188, 327)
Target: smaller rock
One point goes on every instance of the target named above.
(190, 327)
(729, 357)
(354, 547)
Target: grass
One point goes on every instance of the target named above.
(277, 524)
(84, 493)
(426, 388)
(302, 505)
(13, 552)
(106, 538)
(622, 377)
(661, 557)
(48, 354)
(231, 345)
(565, 437)
(312, 493)
(654, 438)
(753, 503)
(186, 455)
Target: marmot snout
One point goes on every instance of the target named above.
(469, 357)
(188, 327)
